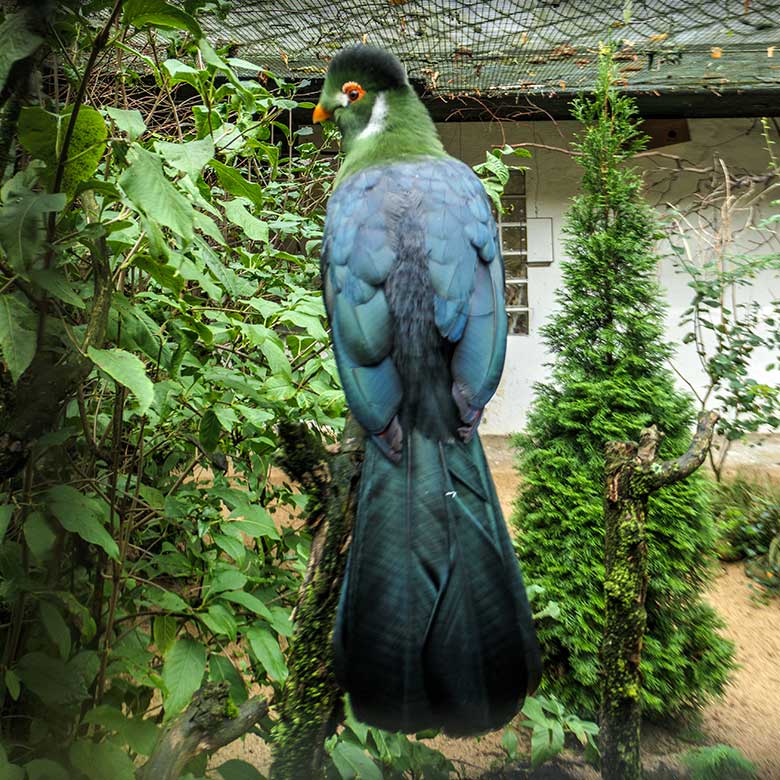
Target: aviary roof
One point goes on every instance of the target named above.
(530, 47)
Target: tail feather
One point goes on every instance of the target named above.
(433, 627)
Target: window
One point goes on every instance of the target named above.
(512, 229)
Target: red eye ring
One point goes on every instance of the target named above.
(353, 91)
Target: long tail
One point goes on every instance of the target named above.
(433, 628)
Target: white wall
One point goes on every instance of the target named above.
(553, 178)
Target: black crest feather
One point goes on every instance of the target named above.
(369, 63)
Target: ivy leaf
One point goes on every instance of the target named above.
(183, 669)
(156, 13)
(267, 651)
(81, 515)
(128, 370)
(129, 122)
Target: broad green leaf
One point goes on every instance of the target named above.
(189, 157)
(219, 620)
(55, 283)
(6, 513)
(509, 742)
(235, 548)
(56, 628)
(277, 360)
(80, 616)
(234, 183)
(164, 630)
(39, 536)
(45, 769)
(13, 683)
(254, 520)
(253, 228)
(183, 669)
(153, 194)
(209, 430)
(130, 122)
(128, 370)
(101, 760)
(81, 515)
(18, 42)
(17, 343)
(42, 133)
(280, 620)
(235, 769)
(139, 734)
(227, 578)
(221, 668)
(267, 651)
(156, 13)
(21, 223)
(181, 72)
(51, 680)
(165, 275)
(352, 762)
(250, 602)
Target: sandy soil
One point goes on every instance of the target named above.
(748, 716)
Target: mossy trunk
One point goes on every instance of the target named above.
(632, 474)
(309, 710)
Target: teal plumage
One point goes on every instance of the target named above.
(433, 627)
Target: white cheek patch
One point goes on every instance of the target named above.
(343, 99)
(378, 116)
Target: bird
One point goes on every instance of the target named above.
(433, 628)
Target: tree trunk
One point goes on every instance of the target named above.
(310, 707)
(632, 474)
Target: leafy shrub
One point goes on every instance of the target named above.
(747, 517)
(719, 762)
(609, 380)
(155, 329)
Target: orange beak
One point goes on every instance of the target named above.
(320, 114)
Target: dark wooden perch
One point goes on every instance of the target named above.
(309, 710)
(205, 726)
(632, 474)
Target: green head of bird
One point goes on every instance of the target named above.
(359, 88)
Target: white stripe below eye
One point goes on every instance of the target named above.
(378, 115)
(343, 99)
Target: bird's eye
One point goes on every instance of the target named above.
(353, 91)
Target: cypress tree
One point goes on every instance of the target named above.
(609, 379)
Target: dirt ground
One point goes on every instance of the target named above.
(748, 716)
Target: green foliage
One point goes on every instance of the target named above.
(747, 517)
(719, 762)
(608, 381)
(494, 172)
(549, 724)
(362, 752)
(144, 547)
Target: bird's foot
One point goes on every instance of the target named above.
(470, 415)
(390, 440)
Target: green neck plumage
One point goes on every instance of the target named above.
(405, 131)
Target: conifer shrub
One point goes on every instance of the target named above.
(719, 762)
(609, 379)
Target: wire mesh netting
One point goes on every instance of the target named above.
(537, 46)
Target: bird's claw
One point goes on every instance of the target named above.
(470, 415)
(390, 440)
